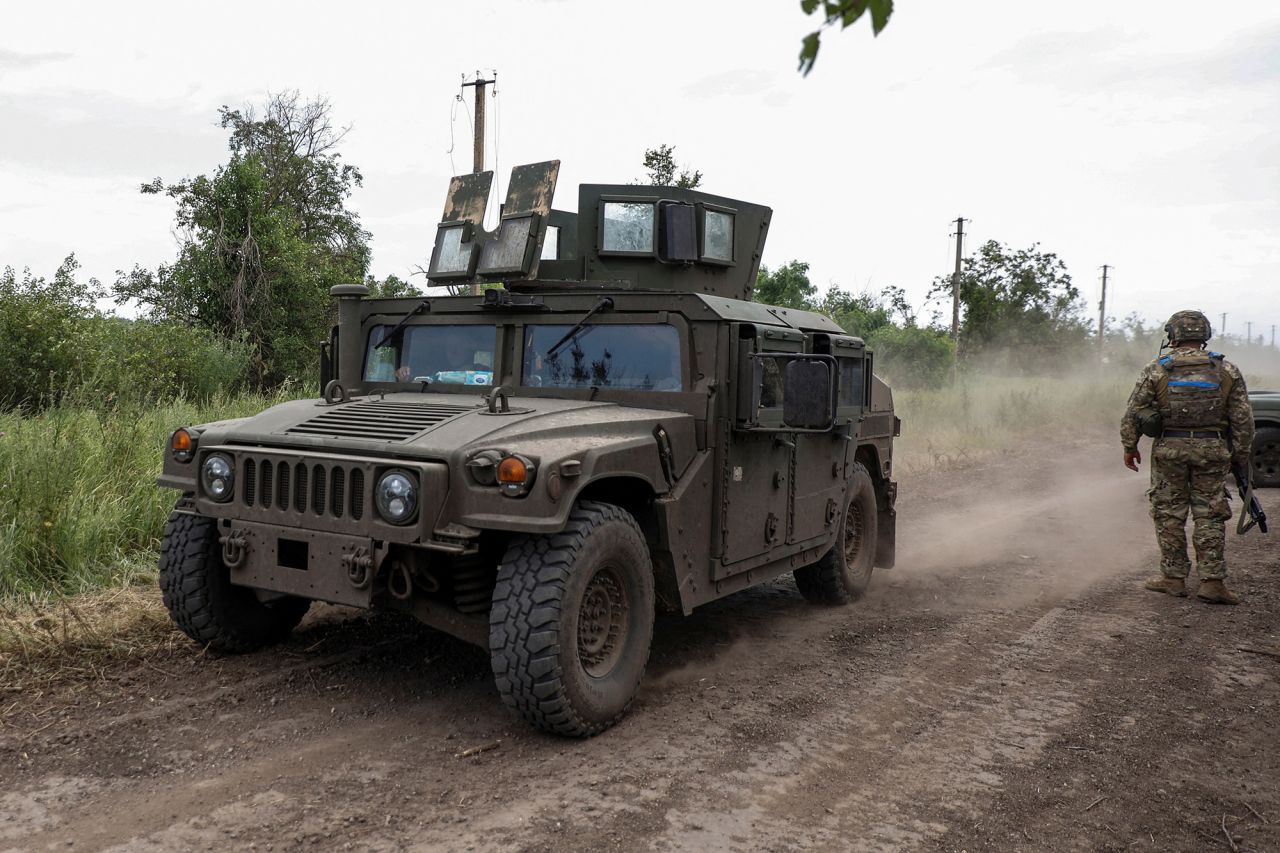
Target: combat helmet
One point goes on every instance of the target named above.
(1188, 326)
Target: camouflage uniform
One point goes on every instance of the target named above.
(1190, 473)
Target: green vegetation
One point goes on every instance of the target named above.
(842, 12)
(55, 342)
(79, 504)
(958, 425)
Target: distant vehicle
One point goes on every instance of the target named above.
(535, 470)
(1266, 439)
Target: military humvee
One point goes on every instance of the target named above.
(1265, 458)
(536, 469)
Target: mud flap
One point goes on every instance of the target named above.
(886, 526)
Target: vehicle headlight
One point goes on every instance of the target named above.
(396, 497)
(218, 476)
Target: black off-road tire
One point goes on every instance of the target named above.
(572, 621)
(1265, 460)
(842, 575)
(201, 599)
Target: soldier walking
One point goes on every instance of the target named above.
(1189, 401)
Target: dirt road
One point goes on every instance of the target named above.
(1007, 687)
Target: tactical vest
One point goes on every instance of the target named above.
(1192, 392)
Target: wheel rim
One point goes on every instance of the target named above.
(602, 623)
(1266, 459)
(854, 534)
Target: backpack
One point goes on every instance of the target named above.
(1192, 392)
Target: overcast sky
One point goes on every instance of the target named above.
(1145, 135)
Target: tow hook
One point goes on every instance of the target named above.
(400, 581)
(235, 548)
(357, 564)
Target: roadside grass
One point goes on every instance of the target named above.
(966, 423)
(75, 637)
(79, 506)
(80, 523)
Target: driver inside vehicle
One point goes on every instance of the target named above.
(449, 351)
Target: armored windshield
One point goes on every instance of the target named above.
(445, 354)
(630, 356)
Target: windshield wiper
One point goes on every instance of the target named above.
(424, 305)
(605, 304)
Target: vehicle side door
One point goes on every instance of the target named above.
(757, 473)
(822, 462)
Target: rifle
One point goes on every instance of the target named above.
(1251, 513)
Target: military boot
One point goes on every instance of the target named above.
(1216, 592)
(1164, 583)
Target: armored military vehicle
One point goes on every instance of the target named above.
(1266, 438)
(538, 467)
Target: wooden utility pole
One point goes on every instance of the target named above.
(1273, 335)
(477, 158)
(1248, 335)
(955, 296)
(1102, 310)
(1223, 330)
(478, 150)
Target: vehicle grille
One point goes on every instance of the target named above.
(330, 490)
(379, 420)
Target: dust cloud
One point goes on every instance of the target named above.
(1070, 516)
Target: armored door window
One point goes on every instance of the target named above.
(551, 244)
(852, 383)
(454, 354)
(770, 379)
(637, 357)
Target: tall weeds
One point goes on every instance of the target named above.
(79, 505)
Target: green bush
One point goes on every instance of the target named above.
(144, 360)
(42, 324)
(54, 342)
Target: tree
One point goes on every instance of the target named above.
(858, 314)
(263, 238)
(842, 12)
(1023, 300)
(661, 165)
(787, 286)
(391, 286)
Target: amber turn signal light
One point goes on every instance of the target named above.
(182, 445)
(512, 470)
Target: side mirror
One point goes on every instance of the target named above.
(806, 395)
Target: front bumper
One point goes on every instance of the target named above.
(334, 567)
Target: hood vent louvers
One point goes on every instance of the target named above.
(379, 420)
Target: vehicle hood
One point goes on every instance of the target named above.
(1265, 401)
(436, 426)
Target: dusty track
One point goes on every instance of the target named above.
(1008, 686)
